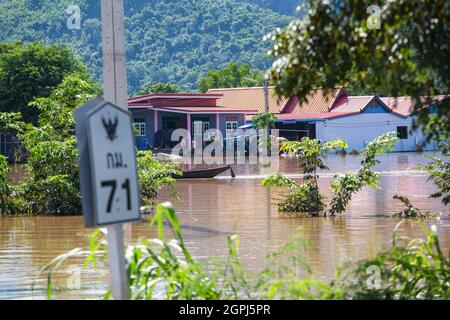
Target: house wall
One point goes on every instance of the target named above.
(360, 129)
(149, 126)
(182, 117)
(223, 118)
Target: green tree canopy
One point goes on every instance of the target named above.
(334, 44)
(33, 71)
(158, 87)
(167, 41)
(231, 76)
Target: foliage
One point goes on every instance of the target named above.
(9, 204)
(305, 197)
(410, 211)
(406, 56)
(167, 41)
(264, 120)
(52, 185)
(346, 185)
(154, 175)
(161, 269)
(439, 170)
(158, 87)
(5, 185)
(312, 154)
(417, 270)
(279, 181)
(28, 72)
(287, 7)
(233, 75)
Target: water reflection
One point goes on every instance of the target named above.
(213, 209)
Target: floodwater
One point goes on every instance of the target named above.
(212, 209)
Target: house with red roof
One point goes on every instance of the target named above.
(323, 115)
(327, 115)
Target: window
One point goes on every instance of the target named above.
(139, 127)
(200, 127)
(231, 127)
(402, 132)
(170, 122)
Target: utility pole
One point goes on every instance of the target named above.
(266, 96)
(266, 103)
(115, 91)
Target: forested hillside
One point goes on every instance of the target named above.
(167, 40)
(287, 7)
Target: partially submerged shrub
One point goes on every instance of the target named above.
(154, 175)
(346, 185)
(311, 154)
(51, 185)
(303, 198)
(439, 170)
(306, 197)
(5, 186)
(55, 195)
(410, 211)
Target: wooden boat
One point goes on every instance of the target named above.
(204, 173)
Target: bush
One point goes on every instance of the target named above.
(305, 197)
(154, 175)
(302, 199)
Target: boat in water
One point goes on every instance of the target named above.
(204, 173)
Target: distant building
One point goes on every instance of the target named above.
(156, 116)
(334, 114)
(324, 116)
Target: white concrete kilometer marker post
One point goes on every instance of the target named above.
(108, 170)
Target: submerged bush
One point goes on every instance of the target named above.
(5, 186)
(439, 170)
(304, 197)
(312, 154)
(154, 175)
(52, 184)
(346, 185)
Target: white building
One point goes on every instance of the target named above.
(336, 114)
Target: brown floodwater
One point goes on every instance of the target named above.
(210, 210)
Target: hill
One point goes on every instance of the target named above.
(167, 41)
(287, 7)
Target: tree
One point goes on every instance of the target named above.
(333, 44)
(231, 76)
(158, 87)
(264, 120)
(312, 153)
(33, 71)
(305, 197)
(167, 41)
